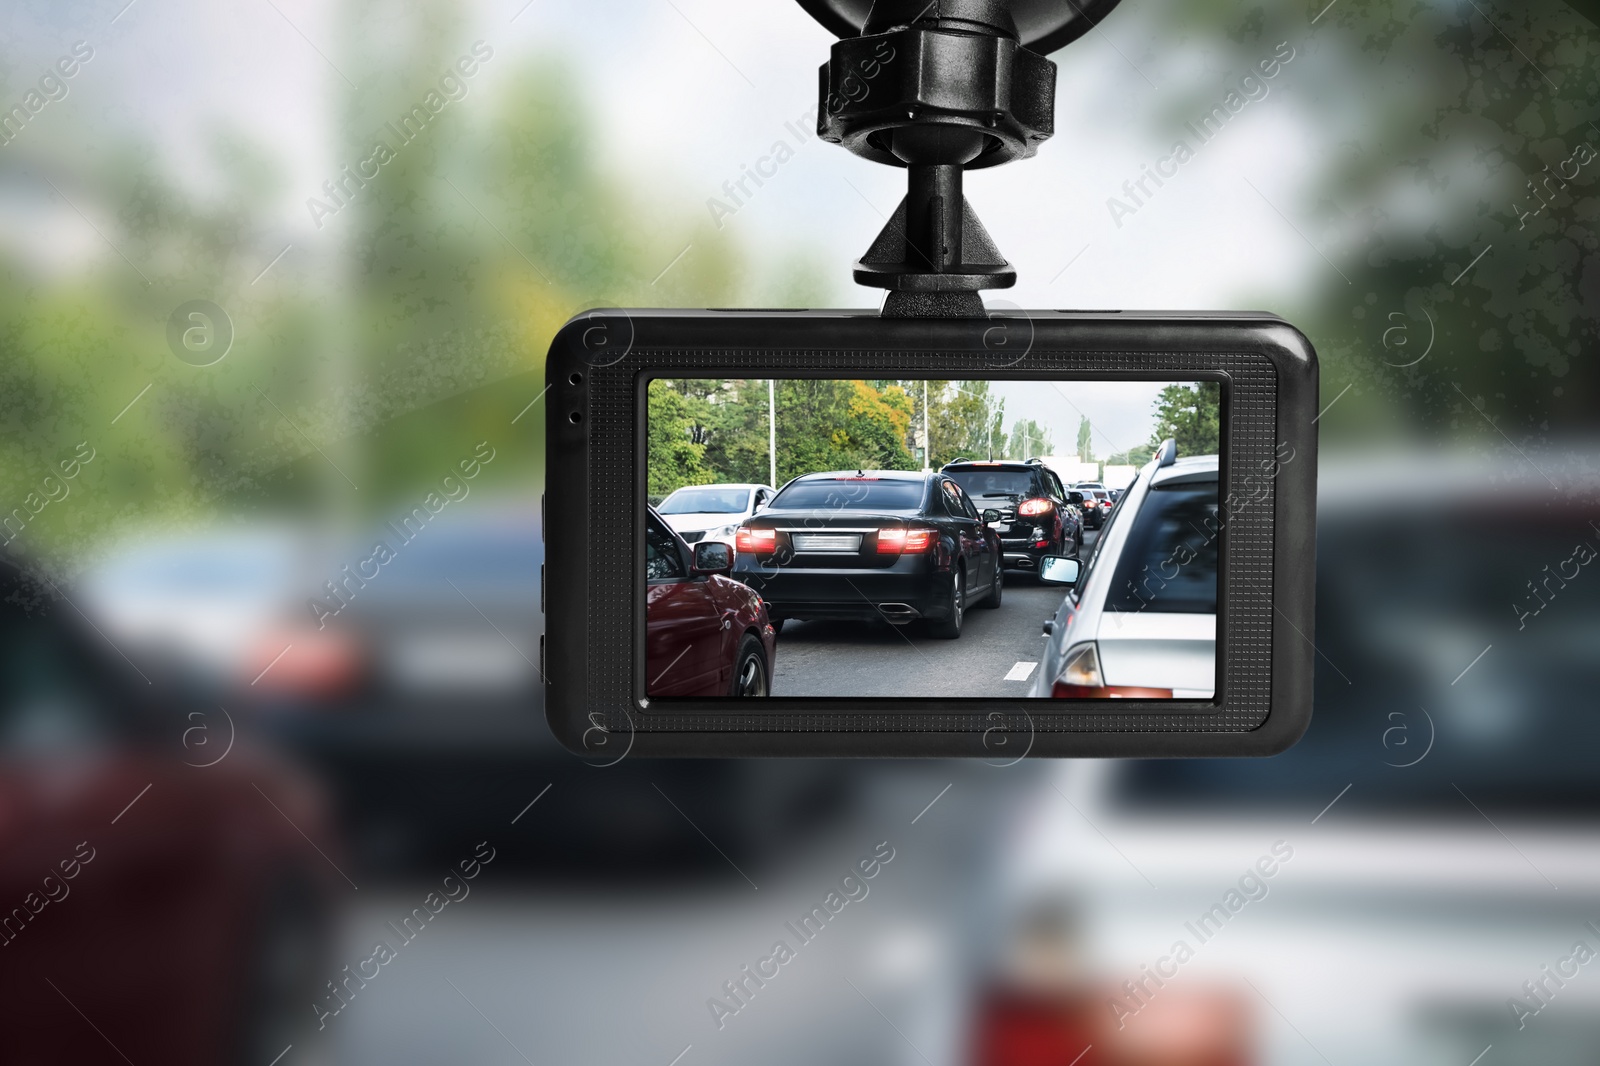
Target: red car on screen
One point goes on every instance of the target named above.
(705, 634)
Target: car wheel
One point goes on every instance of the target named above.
(992, 600)
(949, 628)
(750, 679)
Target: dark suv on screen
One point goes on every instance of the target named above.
(892, 544)
(1038, 515)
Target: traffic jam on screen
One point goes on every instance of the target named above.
(919, 538)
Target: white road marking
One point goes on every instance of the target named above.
(1020, 671)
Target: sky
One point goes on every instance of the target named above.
(1121, 413)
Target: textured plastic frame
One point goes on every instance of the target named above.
(593, 653)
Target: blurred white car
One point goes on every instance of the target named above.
(209, 602)
(1141, 619)
(713, 512)
(1433, 842)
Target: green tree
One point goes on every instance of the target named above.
(673, 457)
(1028, 438)
(1138, 455)
(736, 431)
(966, 420)
(1191, 415)
(1084, 444)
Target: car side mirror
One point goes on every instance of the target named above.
(1059, 570)
(990, 516)
(1075, 497)
(713, 557)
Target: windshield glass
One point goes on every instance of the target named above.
(994, 482)
(706, 499)
(851, 494)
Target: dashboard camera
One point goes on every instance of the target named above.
(865, 533)
(866, 600)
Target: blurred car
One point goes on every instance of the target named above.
(210, 605)
(438, 724)
(1442, 810)
(1127, 629)
(148, 856)
(705, 634)
(712, 512)
(1037, 516)
(891, 544)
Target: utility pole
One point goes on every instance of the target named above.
(772, 433)
(927, 433)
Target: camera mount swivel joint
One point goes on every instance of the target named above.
(941, 87)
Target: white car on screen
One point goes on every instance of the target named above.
(1140, 621)
(713, 512)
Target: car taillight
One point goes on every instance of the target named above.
(756, 541)
(1181, 1025)
(306, 663)
(904, 541)
(1080, 679)
(1028, 508)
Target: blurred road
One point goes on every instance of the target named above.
(996, 655)
(524, 972)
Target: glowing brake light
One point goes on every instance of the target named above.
(1033, 507)
(1080, 680)
(756, 541)
(904, 541)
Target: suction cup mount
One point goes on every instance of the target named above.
(940, 87)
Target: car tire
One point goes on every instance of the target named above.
(949, 627)
(992, 600)
(750, 676)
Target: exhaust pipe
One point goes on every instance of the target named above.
(899, 613)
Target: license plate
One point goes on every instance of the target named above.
(840, 543)
(1001, 527)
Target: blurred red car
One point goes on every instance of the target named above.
(706, 634)
(160, 891)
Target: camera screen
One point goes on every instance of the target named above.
(821, 538)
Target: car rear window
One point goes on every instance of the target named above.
(1169, 564)
(994, 482)
(851, 494)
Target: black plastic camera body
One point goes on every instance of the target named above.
(599, 699)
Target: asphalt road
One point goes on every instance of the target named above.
(996, 655)
(620, 971)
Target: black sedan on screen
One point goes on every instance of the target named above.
(895, 545)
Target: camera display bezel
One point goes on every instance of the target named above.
(593, 653)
